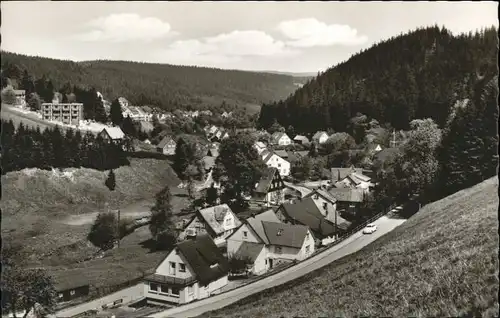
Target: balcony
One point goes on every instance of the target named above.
(162, 279)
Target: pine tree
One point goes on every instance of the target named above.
(116, 115)
(110, 181)
(161, 214)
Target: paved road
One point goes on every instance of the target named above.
(128, 294)
(350, 245)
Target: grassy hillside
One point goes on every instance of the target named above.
(442, 262)
(50, 213)
(164, 85)
(35, 203)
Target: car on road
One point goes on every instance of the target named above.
(370, 228)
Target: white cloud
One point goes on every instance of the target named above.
(310, 32)
(226, 48)
(125, 27)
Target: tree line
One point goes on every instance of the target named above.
(166, 86)
(413, 76)
(31, 148)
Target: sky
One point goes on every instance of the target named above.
(258, 36)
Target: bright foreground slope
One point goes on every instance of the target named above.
(442, 262)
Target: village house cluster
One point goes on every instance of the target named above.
(292, 222)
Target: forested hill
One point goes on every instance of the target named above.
(412, 76)
(164, 85)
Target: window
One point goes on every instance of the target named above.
(164, 289)
(182, 268)
(307, 248)
(278, 250)
(316, 197)
(279, 165)
(60, 295)
(72, 292)
(228, 222)
(325, 206)
(175, 291)
(245, 234)
(153, 287)
(172, 268)
(190, 290)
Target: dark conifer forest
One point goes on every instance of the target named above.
(53, 148)
(167, 86)
(413, 76)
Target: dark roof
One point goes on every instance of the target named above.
(204, 258)
(267, 156)
(250, 250)
(306, 212)
(65, 282)
(282, 153)
(255, 223)
(265, 180)
(347, 194)
(282, 234)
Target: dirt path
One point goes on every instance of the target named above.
(134, 210)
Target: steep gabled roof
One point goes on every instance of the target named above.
(266, 180)
(214, 215)
(324, 194)
(282, 153)
(165, 141)
(205, 258)
(281, 234)
(347, 194)
(338, 174)
(114, 132)
(306, 212)
(255, 222)
(277, 136)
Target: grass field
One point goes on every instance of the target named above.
(36, 206)
(442, 262)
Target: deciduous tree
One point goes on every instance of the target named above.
(104, 232)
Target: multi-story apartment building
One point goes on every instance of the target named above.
(67, 113)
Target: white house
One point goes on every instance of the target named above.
(273, 160)
(193, 270)
(269, 242)
(280, 139)
(114, 134)
(320, 137)
(217, 221)
(260, 146)
(167, 146)
(299, 139)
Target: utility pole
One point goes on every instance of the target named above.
(118, 225)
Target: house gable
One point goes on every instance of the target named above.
(165, 268)
(239, 235)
